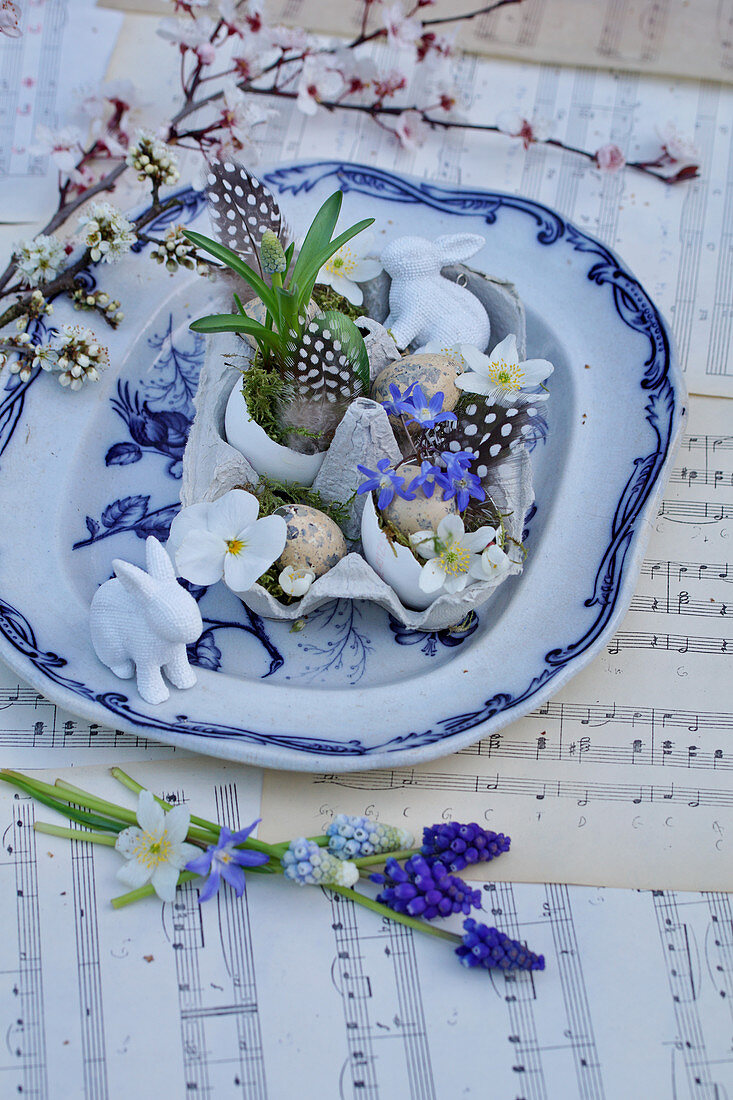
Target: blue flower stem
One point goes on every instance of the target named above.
(401, 918)
(75, 834)
(372, 861)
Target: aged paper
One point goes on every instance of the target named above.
(624, 778)
(677, 37)
(296, 986)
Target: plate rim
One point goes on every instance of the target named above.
(662, 381)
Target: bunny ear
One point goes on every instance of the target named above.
(135, 582)
(458, 246)
(158, 563)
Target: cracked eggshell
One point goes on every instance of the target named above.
(421, 514)
(313, 542)
(435, 372)
(396, 565)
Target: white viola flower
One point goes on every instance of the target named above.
(454, 555)
(500, 376)
(226, 539)
(155, 850)
(318, 82)
(38, 259)
(350, 266)
(403, 31)
(296, 582)
(107, 233)
(411, 129)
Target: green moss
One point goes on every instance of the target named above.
(263, 390)
(326, 297)
(273, 495)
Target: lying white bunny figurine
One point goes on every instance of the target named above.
(141, 623)
(424, 307)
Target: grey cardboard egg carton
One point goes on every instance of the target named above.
(211, 467)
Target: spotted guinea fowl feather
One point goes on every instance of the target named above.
(323, 375)
(241, 209)
(490, 432)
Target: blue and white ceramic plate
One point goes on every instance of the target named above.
(85, 477)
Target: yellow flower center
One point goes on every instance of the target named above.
(455, 559)
(342, 262)
(152, 850)
(235, 546)
(508, 376)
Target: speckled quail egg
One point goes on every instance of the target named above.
(435, 372)
(313, 540)
(421, 514)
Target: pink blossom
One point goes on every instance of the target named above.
(389, 84)
(403, 31)
(513, 124)
(10, 19)
(609, 158)
(239, 117)
(440, 45)
(194, 35)
(64, 147)
(288, 38)
(678, 147)
(411, 129)
(317, 83)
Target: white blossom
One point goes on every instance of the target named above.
(155, 850)
(193, 34)
(677, 146)
(108, 233)
(153, 160)
(350, 266)
(500, 376)
(454, 555)
(403, 31)
(38, 259)
(226, 539)
(296, 582)
(80, 357)
(411, 129)
(318, 82)
(64, 148)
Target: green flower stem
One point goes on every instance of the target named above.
(84, 818)
(208, 830)
(75, 834)
(283, 845)
(146, 891)
(401, 918)
(61, 793)
(372, 861)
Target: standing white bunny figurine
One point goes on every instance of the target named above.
(424, 307)
(141, 623)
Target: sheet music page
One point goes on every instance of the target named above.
(60, 38)
(633, 757)
(668, 36)
(242, 998)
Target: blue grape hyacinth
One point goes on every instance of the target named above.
(456, 846)
(423, 889)
(305, 864)
(351, 837)
(494, 950)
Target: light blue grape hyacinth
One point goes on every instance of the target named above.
(352, 837)
(308, 865)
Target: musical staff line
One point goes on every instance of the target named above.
(581, 793)
(91, 1009)
(668, 643)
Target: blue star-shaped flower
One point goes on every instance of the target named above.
(387, 481)
(423, 411)
(224, 860)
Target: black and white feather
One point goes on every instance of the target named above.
(322, 379)
(490, 432)
(241, 209)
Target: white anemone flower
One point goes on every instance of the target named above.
(296, 582)
(155, 849)
(226, 539)
(500, 376)
(454, 555)
(350, 266)
(495, 563)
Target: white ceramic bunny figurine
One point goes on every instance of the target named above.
(424, 307)
(141, 623)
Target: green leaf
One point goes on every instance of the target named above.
(288, 258)
(288, 303)
(234, 322)
(311, 273)
(236, 264)
(317, 237)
